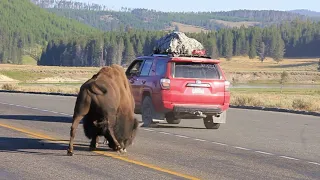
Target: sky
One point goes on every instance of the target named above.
(210, 5)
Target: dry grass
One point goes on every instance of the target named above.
(9, 87)
(236, 24)
(31, 73)
(290, 99)
(245, 70)
(244, 64)
(186, 28)
(70, 89)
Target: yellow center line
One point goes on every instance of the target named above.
(48, 138)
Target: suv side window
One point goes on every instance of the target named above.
(161, 67)
(146, 67)
(135, 68)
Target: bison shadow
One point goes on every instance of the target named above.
(60, 119)
(34, 146)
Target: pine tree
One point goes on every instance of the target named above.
(213, 50)
(253, 44)
(120, 50)
(227, 44)
(129, 54)
(277, 46)
(261, 52)
(139, 48)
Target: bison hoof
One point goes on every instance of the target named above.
(93, 147)
(69, 153)
(122, 151)
(105, 142)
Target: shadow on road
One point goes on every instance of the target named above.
(64, 119)
(35, 146)
(61, 119)
(170, 126)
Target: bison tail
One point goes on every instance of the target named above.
(88, 127)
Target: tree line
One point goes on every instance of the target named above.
(290, 39)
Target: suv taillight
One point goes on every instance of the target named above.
(226, 85)
(165, 83)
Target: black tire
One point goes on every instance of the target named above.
(147, 111)
(209, 124)
(171, 119)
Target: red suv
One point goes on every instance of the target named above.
(179, 87)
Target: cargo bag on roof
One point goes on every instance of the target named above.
(177, 43)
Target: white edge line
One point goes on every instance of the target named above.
(148, 129)
(286, 157)
(202, 140)
(314, 163)
(219, 143)
(237, 147)
(164, 133)
(181, 136)
(261, 152)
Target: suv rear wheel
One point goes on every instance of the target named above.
(171, 119)
(147, 111)
(209, 124)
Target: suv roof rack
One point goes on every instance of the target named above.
(161, 55)
(178, 55)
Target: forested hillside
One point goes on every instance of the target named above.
(307, 12)
(295, 39)
(101, 17)
(70, 43)
(23, 24)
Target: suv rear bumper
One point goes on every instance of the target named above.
(192, 108)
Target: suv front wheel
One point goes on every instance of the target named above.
(147, 111)
(209, 124)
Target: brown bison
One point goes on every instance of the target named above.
(106, 105)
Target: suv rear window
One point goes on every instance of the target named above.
(195, 70)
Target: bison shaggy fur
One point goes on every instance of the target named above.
(106, 105)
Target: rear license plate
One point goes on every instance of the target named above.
(197, 90)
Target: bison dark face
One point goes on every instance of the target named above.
(125, 133)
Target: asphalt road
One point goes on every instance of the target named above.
(34, 133)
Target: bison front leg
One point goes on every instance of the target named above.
(111, 124)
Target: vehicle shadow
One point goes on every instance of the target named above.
(172, 126)
(61, 119)
(40, 147)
